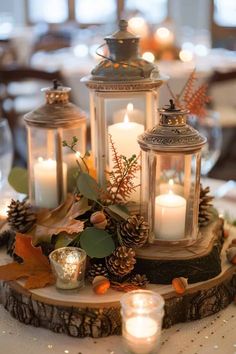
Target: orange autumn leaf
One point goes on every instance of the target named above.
(29, 253)
(35, 267)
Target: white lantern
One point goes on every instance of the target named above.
(171, 162)
(50, 165)
(123, 101)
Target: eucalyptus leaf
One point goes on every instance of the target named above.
(88, 186)
(119, 210)
(18, 179)
(96, 243)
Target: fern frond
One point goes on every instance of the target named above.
(120, 183)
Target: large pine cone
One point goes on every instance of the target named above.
(121, 262)
(134, 231)
(205, 206)
(96, 270)
(20, 216)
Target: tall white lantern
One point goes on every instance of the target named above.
(123, 100)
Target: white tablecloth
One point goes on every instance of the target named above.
(213, 335)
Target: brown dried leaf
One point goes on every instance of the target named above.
(61, 219)
(35, 266)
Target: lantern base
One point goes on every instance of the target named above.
(183, 242)
(200, 261)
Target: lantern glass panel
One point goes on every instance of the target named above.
(170, 186)
(51, 166)
(123, 116)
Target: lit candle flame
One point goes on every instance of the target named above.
(126, 118)
(130, 107)
(70, 259)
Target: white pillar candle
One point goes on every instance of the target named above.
(45, 176)
(124, 135)
(141, 335)
(170, 211)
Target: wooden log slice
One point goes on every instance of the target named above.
(84, 314)
(198, 262)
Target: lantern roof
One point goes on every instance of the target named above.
(172, 134)
(123, 65)
(57, 112)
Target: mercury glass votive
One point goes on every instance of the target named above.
(68, 264)
(142, 313)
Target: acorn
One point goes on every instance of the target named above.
(231, 254)
(180, 284)
(99, 220)
(100, 285)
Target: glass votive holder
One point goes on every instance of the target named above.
(68, 265)
(142, 313)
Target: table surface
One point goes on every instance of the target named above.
(214, 334)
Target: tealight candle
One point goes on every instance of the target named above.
(68, 264)
(45, 174)
(142, 313)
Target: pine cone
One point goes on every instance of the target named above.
(134, 231)
(139, 280)
(97, 270)
(121, 262)
(20, 216)
(205, 213)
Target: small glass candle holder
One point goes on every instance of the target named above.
(142, 313)
(68, 264)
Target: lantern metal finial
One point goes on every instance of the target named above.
(56, 84)
(123, 25)
(172, 105)
(57, 93)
